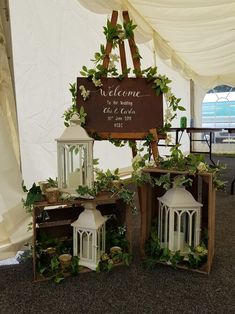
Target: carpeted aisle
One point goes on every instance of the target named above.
(134, 289)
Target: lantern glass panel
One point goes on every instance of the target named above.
(86, 244)
(74, 161)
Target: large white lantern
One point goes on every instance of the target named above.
(179, 220)
(74, 157)
(89, 236)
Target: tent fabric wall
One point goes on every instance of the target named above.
(13, 219)
(55, 49)
(52, 40)
(197, 38)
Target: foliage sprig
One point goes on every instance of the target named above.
(155, 253)
(107, 181)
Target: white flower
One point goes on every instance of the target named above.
(168, 114)
(84, 93)
(168, 139)
(111, 65)
(137, 162)
(202, 167)
(138, 172)
(201, 250)
(112, 59)
(121, 35)
(96, 82)
(151, 163)
(81, 87)
(137, 159)
(168, 94)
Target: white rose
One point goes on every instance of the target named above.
(202, 167)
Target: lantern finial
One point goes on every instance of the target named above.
(75, 119)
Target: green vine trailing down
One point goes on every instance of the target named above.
(69, 112)
(110, 182)
(192, 164)
(34, 194)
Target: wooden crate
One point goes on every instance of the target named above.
(54, 220)
(203, 191)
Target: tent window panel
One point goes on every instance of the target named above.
(218, 111)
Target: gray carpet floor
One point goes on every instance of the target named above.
(134, 289)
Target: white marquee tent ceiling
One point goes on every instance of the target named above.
(196, 37)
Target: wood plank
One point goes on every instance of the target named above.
(122, 56)
(133, 48)
(129, 230)
(109, 44)
(206, 189)
(125, 136)
(55, 223)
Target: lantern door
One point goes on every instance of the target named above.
(74, 165)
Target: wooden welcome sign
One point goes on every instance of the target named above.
(122, 109)
(126, 108)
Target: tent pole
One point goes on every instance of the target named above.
(192, 102)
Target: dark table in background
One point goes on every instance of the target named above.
(207, 138)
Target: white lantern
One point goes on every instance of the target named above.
(89, 236)
(179, 220)
(75, 157)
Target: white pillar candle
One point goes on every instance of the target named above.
(74, 179)
(178, 245)
(87, 247)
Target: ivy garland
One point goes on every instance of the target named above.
(193, 163)
(195, 257)
(116, 34)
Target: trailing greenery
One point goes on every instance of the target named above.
(105, 264)
(167, 182)
(69, 112)
(195, 258)
(116, 236)
(34, 194)
(48, 250)
(160, 83)
(107, 181)
(107, 261)
(155, 253)
(117, 246)
(191, 164)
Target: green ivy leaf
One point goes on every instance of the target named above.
(181, 108)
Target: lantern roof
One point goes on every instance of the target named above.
(90, 218)
(75, 132)
(179, 197)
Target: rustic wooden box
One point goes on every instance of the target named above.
(54, 220)
(203, 191)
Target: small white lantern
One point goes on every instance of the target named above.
(89, 236)
(179, 220)
(75, 157)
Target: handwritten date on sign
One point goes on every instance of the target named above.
(121, 106)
